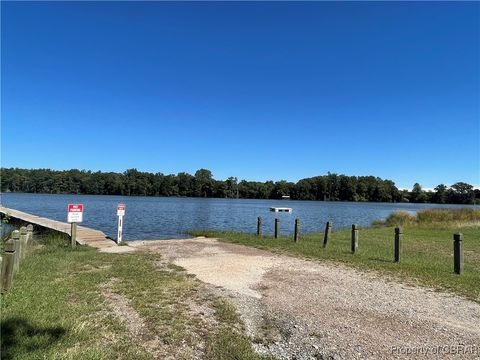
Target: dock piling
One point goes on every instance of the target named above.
(8, 263)
(277, 228)
(73, 234)
(23, 242)
(259, 226)
(29, 233)
(16, 245)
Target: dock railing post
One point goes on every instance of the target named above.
(398, 243)
(457, 253)
(73, 234)
(277, 228)
(328, 231)
(23, 242)
(259, 226)
(296, 234)
(16, 244)
(29, 233)
(354, 238)
(8, 264)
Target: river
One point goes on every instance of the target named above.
(163, 218)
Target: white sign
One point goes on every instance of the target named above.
(121, 210)
(120, 214)
(75, 213)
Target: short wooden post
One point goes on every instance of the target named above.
(354, 238)
(328, 231)
(8, 264)
(398, 243)
(259, 226)
(277, 228)
(296, 234)
(23, 242)
(457, 253)
(29, 233)
(73, 234)
(16, 244)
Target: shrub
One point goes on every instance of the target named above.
(400, 218)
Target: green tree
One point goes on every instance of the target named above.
(418, 195)
(203, 183)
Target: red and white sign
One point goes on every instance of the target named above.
(120, 214)
(121, 210)
(75, 213)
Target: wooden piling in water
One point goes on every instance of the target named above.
(458, 253)
(259, 226)
(328, 231)
(296, 233)
(398, 243)
(277, 228)
(354, 238)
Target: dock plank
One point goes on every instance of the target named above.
(85, 236)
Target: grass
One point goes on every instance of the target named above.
(451, 217)
(56, 309)
(426, 258)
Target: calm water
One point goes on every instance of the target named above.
(162, 218)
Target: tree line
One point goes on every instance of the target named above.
(330, 187)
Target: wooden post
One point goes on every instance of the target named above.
(23, 242)
(354, 238)
(259, 226)
(29, 233)
(8, 264)
(296, 233)
(73, 234)
(277, 227)
(457, 253)
(328, 231)
(398, 243)
(16, 244)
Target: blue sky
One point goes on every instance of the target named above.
(254, 90)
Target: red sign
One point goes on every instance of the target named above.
(75, 213)
(121, 210)
(75, 207)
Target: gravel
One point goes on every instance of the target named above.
(302, 309)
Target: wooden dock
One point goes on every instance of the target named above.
(281, 209)
(85, 236)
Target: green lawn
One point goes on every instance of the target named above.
(56, 309)
(426, 259)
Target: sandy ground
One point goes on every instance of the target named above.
(299, 309)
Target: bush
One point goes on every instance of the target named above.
(432, 216)
(400, 218)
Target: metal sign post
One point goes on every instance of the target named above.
(120, 214)
(74, 216)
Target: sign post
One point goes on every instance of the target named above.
(120, 214)
(74, 216)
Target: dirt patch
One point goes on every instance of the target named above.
(299, 309)
(134, 323)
